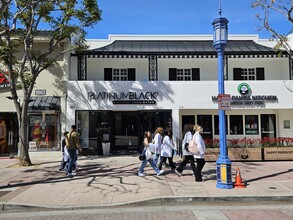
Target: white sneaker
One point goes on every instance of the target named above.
(73, 173)
(160, 172)
(178, 173)
(141, 174)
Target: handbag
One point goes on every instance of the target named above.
(141, 157)
(192, 147)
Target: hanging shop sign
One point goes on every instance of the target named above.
(247, 99)
(125, 98)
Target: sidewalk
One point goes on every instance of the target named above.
(113, 181)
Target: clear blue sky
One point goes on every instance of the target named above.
(176, 17)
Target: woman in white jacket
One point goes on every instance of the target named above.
(200, 156)
(167, 149)
(158, 143)
(188, 157)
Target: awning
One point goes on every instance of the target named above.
(45, 103)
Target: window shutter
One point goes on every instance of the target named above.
(237, 74)
(172, 74)
(108, 74)
(131, 74)
(195, 74)
(260, 73)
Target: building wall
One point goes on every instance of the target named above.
(183, 98)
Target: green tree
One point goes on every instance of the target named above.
(21, 23)
(280, 8)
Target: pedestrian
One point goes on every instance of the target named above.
(158, 143)
(187, 156)
(167, 149)
(72, 144)
(200, 161)
(148, 156)
(65, 156)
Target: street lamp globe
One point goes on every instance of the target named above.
(220, 25)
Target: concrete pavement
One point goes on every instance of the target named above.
(113, 181)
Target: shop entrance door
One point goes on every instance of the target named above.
(268, 125)
(126, 130)
(8, 134)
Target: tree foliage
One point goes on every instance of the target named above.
(282, 8)
(22, 22)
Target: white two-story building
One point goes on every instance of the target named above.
(129, 84)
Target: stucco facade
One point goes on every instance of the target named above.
(264, 111)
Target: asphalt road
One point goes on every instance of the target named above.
(222, 212)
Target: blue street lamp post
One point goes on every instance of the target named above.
(224, 181)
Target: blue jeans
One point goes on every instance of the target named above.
(156, 158)
(152, 163)
(72, 158)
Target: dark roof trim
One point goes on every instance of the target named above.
(139, 47)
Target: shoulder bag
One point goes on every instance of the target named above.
(192, 147)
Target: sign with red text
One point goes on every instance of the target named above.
(224, 102)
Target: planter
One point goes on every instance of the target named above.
(212, 154)
(106, 148)
(245, 154)
(235, 154)
(278, 153)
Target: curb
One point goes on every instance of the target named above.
(162, 201)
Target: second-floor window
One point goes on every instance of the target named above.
(119, 74)
(184, 74)
(248, 74)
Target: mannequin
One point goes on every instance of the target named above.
(36, 133)
(3, 137)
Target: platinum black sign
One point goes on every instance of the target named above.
(125, 98)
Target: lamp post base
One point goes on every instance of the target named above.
(224, 176)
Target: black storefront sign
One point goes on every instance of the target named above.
(125, 98)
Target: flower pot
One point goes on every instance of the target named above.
(106, 148)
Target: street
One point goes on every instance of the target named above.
(222, 212)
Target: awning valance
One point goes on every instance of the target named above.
(45, 103)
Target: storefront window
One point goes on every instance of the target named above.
(43, 129)
(251, 124)
(205, 121)
(236, 124)
(35, 130)
(216, 126)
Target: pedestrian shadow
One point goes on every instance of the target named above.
(209, 174)
(47, 175)
(268, 176)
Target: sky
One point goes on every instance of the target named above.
(176, 17)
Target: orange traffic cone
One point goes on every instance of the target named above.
(238, 180)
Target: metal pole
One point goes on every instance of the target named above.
(223, 163)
